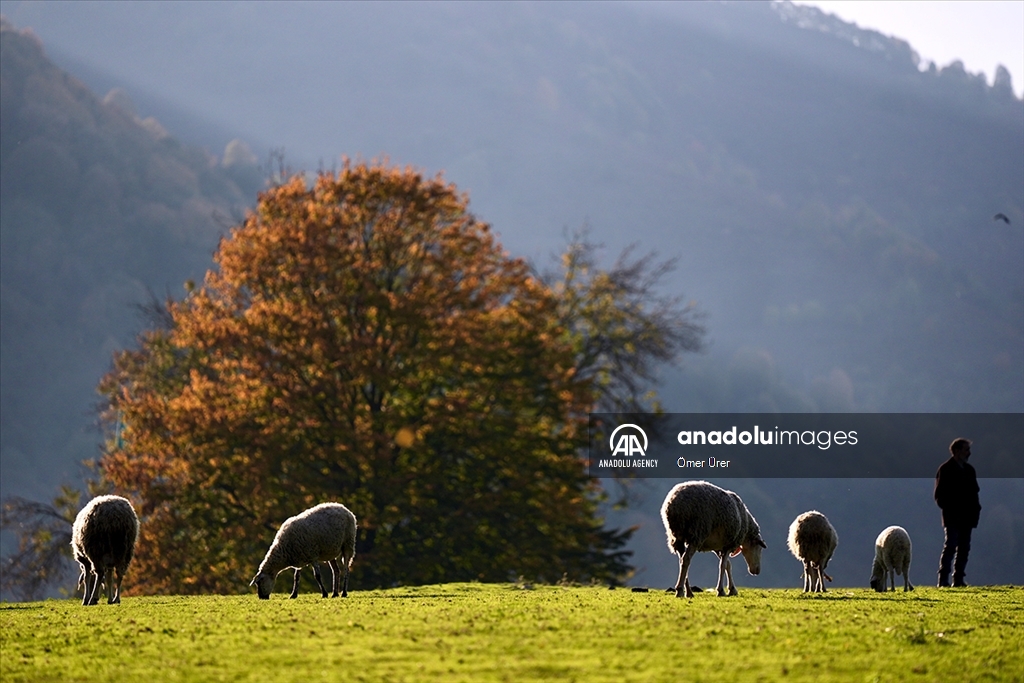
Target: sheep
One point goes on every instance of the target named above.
(103, 542)
(700, 517)
(813, 540)
(320, 534)
(892, 556)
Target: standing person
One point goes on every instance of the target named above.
(956, 492)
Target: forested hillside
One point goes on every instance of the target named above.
(829, 198)
(101, 212)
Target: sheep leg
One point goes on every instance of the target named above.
(83, 580)
(319, 579)
(683, 582)
(87, 587)
(335, 578)
(92, 587)
(907, 586)
(97, 586)
(728, 573)
(108, 584)
(342, 582)
(117, 586)
(807, 576)
(295, 584)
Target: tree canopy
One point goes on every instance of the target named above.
(367, 340)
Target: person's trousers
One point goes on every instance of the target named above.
(955, 550)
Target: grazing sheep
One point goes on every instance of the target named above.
(892, 556)
(320, 534)
(103, 541)
(701, 517)
(812, 540)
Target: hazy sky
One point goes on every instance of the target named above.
(981, 34)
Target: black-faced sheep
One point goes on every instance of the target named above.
(323, 533)
(813, 540)
(892, 556)
(700, 517)
(103, 541)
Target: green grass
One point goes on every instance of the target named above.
(507, 633)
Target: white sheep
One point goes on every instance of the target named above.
(813, 540)
(892, 556)
(320, 534)
(103, 541)
(701, 517)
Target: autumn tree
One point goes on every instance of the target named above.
(364, 340)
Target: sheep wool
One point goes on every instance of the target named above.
(813, 540)
(892, 556)
(103, 542)
(325, 533)
(701, 517)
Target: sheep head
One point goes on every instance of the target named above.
(264, 584)
(752, 554)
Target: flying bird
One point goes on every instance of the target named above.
(1001, 217)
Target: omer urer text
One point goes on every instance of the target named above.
(759, 437)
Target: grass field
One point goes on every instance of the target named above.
(515, 633)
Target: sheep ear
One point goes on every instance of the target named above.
(761, 542)
(253, 582)
(736, 552)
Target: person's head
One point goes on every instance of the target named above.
(960, 449)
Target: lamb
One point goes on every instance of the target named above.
(892, 556)
(320, 534)
(701, 517)
(813, 540)
(103, 542)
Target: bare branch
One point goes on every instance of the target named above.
(623, 327)
(43, 559)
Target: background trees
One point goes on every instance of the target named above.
(44, 544)
(367, 340)
(620, 327)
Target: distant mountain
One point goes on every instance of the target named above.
(830, 204)
(100, 212)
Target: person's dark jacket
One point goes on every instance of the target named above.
(956, 492)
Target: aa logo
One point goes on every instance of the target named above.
(628, 442)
